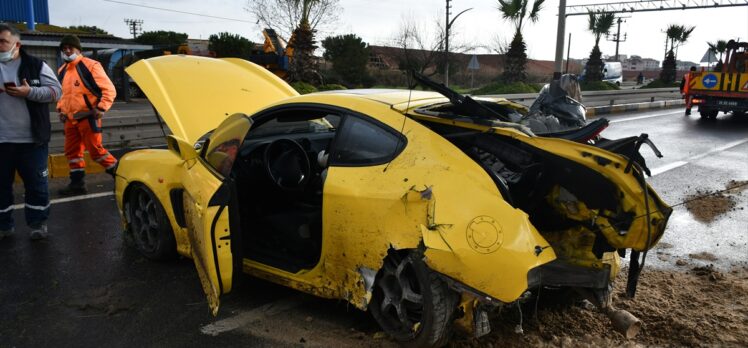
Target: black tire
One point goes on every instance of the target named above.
(407, 293)
(707, 114)
(148, 227)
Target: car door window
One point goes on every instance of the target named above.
(361, 142)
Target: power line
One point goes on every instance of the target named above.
(651, 5)
(177, 11)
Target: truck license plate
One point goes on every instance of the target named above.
(727, 102)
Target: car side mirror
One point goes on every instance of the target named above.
(180, 147)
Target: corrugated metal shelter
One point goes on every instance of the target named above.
(17, 11)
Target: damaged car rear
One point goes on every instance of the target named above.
(403, 203)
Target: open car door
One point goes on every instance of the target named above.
(209, 199)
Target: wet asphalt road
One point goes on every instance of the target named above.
(697, 155)
(84, 288)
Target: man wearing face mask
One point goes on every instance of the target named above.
(29, 85)
(87, 93)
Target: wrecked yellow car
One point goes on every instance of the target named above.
(392, 200)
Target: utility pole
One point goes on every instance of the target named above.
(447, 26)
(568, 49)
(617, 36)
(135, 25)
(446, 46)
(560, 31)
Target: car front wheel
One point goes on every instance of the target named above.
(411, 303)
(148, 226)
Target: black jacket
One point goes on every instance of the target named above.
(31, 70)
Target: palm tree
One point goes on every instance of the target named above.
(302, 65)
(516, 57)
(599, 24)
(719, 47)
(678, 35)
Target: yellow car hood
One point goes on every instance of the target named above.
(194, 94)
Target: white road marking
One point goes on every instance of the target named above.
(250, 316)
(676, 164)
(665, 168)
(71, 199)
(634, 118)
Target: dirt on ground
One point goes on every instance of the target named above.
(707, 206)
(699, 307)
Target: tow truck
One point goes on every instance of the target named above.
(725, 90)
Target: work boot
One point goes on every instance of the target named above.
(39, 232)
(74, 188)
(7, 233)
(112, 170)
(77, 185)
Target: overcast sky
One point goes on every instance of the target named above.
(377, 23)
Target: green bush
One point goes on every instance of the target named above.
(660, 84)
(506, 88)
(303, 87)
(597, 86)
(330, 87)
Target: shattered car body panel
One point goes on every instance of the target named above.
(324, 189)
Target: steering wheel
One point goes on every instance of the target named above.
(287, 164)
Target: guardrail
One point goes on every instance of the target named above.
(620, 92)
(129, 125)
(599, 98)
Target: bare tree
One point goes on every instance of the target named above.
(284, 16)
(421, 46)
(499, 45)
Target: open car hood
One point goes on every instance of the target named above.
(195, 94)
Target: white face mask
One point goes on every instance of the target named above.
(6, 56)
(69, 58)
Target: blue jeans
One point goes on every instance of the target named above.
(30, 160)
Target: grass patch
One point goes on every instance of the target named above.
(659, 84)
(331, 87)
(597, 86)
(506, 88)
(303, 87)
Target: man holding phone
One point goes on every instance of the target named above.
(87, 93)
(29, 85)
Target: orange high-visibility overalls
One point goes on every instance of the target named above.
(84, 100)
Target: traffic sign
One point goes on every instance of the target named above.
(709, 81)
(473, 65)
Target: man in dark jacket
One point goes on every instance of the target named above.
(29, 85)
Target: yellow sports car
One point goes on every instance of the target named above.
(409, 204)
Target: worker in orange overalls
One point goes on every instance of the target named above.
(87, 93)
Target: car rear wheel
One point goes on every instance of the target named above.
(411, 303)
(148, 226)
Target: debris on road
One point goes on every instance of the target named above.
(707, 206)
(694, 308)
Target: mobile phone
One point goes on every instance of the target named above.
(9, 84)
